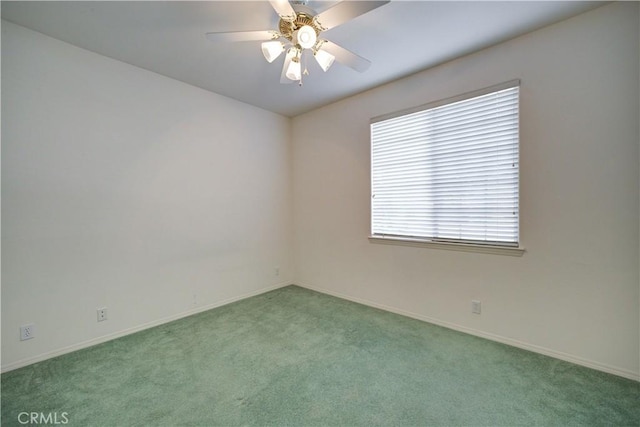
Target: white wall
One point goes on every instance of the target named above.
(126, 189)
(574, 294)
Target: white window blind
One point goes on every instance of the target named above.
(449, 171)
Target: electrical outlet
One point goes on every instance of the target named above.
(102, 314)
(475, 307)
(27, 332)
(277, 271)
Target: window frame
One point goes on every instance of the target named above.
(465, 246)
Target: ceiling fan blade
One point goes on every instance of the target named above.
(287, 60)
(284, 9)
(345, 11)
(243, 36)
(346, 57)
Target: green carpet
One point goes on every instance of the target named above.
(299, 358)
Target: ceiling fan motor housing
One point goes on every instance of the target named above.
(304, 16)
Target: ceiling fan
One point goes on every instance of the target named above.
(298, 35)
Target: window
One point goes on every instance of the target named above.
(448, 171)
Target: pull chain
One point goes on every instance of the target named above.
(303, 59)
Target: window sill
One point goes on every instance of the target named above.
(450, 246)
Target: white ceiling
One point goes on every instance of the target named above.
(399, 38)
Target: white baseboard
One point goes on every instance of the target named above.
(112, 336)
(509, 341)
(493, 337)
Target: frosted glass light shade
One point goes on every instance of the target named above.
(293, 72)
(306, 37)
(324, 59)
(271, 50)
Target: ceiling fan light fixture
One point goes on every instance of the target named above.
(324, 59)
(298, 30)
(306, 36)
(271, 50)
(294, 71)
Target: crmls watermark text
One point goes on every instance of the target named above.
(52, 418)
